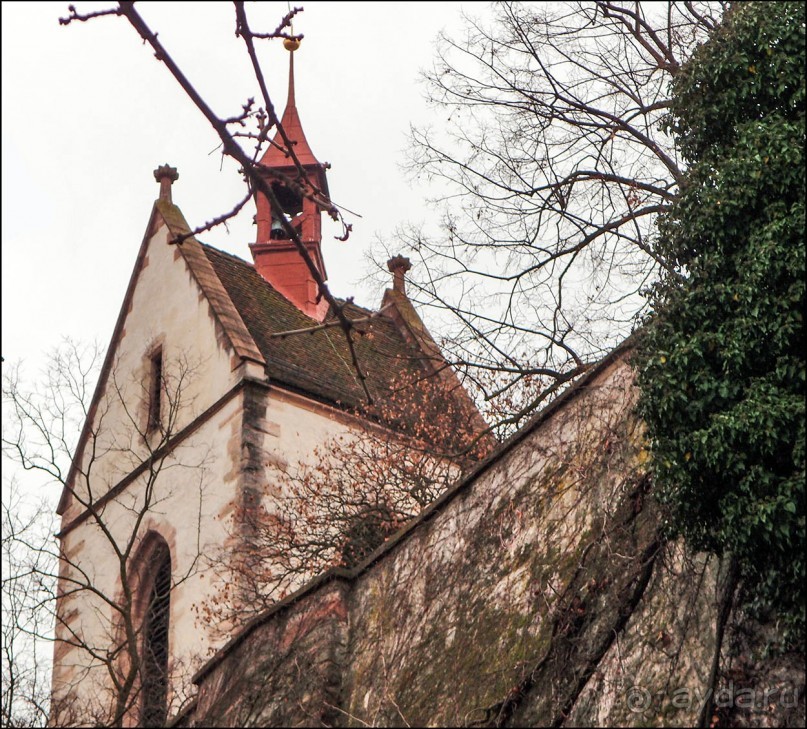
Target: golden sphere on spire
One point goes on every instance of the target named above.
(291, 44)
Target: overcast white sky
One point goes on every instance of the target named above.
(88, 113)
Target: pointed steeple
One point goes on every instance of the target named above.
(303, 198)
(275, 156)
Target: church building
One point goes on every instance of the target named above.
(219, 371)
(535, 588)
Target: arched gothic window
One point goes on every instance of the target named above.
(154, 654)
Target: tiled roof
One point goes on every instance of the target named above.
(317, 363)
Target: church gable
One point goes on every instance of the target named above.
(226, 315)
(176, 325)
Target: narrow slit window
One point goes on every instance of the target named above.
(155, 388)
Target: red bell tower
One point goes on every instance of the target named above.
(276, 257)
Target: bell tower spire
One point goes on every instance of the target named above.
(291, 46)
(301, 187)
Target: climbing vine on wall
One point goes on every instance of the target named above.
(721, 362)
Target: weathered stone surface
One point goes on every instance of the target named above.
(537, 593)
(759, 684)
(289, 671)
(657, 671)
(510, 580)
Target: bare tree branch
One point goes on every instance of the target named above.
(553, 166)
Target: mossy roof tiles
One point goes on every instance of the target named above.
(317, 363)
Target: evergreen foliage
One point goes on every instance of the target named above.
(721, 360)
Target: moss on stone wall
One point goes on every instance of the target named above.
(539, 595)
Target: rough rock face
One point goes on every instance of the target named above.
(758, 685)
(288, 672)
(537, 593)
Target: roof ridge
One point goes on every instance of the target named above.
(358, 306)
(226, 253)
(364, 309)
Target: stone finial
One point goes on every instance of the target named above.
(166, 176)
(399, 265)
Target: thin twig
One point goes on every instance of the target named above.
(330, 324)
(180, 239)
